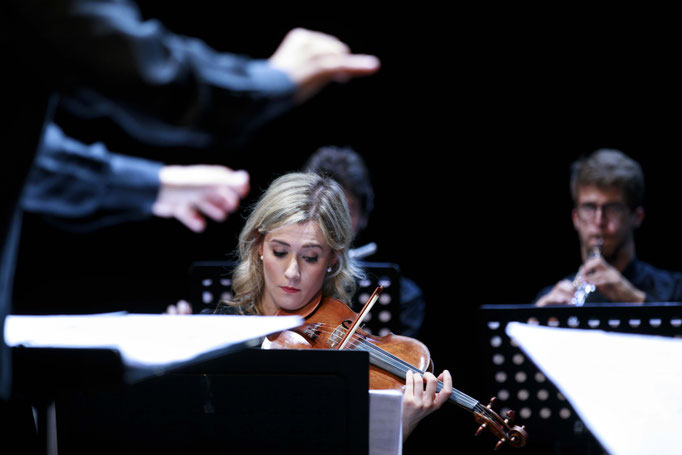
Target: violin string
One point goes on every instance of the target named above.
(483, 410)
(462, 399)
(458, 396)
(358, 341)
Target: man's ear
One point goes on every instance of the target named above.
(638, 216)
(575, 218)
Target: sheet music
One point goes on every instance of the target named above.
(144, 340)
(385, 422)
(625, 387)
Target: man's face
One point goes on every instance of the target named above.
(601, 213)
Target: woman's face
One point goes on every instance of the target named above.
(295, 262)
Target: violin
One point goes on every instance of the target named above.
(331, 324)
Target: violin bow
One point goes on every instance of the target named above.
(361, 315)
(514, 436)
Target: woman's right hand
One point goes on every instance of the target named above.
(182, 307)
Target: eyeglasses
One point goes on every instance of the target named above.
(587, 211)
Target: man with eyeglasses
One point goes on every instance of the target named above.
(608, 189)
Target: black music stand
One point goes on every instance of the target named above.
(521, 386)
(252, 401)
(385, 314)
(42, 374)
(211, 282)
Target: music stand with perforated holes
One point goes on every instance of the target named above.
(211, 282)
(518, 384)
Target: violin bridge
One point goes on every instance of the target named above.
(336, 336)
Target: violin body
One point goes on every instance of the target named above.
(326, 324)
(331, 324)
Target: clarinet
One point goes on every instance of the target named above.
(582, 287)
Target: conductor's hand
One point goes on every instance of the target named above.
(561, 293)
(190, 193)
(313, 59)
(421, 398)
(609, 281)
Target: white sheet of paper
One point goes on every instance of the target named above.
(626, 388)
(385, 422)
(144, 340)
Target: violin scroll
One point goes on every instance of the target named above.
(514, 436)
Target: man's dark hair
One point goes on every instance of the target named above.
(609, 168)
(347, 167)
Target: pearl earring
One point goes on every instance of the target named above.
(329, 269)
(261, 258)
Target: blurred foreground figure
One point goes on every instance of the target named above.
(144, 77)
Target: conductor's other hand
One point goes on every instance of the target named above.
(190, 193)
(313, 59)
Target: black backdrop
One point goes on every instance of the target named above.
(469, 129)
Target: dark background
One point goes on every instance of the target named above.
(469, 130)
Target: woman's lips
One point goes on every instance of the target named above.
(289, 290)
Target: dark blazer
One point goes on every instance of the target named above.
(104, 54)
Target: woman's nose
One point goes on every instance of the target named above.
(292, 272)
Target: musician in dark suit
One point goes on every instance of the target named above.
(608, 191)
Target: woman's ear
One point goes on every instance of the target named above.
(334, 257)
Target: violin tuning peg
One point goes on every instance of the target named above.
(511, 415)
(481, 429)
(500, 443)
(492, 401)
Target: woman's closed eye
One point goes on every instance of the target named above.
(309, 259)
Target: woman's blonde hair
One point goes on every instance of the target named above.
(296, 198)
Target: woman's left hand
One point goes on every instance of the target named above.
(421, 398)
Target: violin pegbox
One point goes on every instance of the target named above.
(514, 436)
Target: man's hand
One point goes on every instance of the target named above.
(313, 59)
(609, 281)
(189, 193)
(561, 293)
